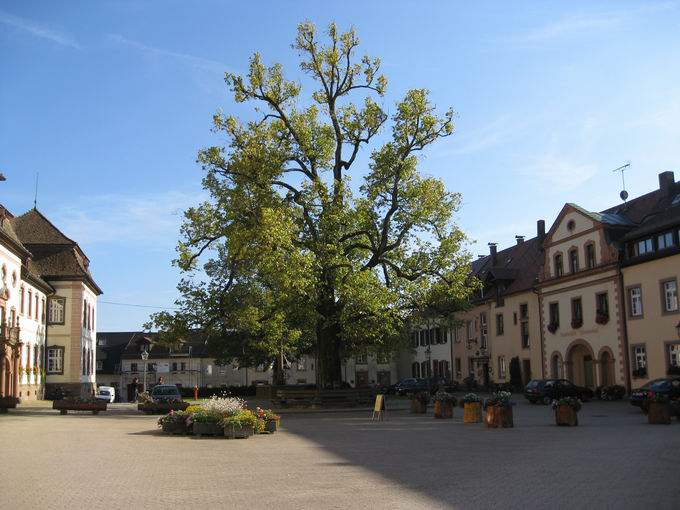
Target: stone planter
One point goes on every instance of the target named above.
(499, 417)
(208, 429)
(418, 407)
(659, 413)
(236, 432)
(566, 416)
(177, 427)
(8, 403)
(472, 412)
(443, 409)
(271, 426)
(64, 406)
(161, 407)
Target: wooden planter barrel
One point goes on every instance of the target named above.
(443, 409)
(472, 412)
(418, 407)
(208, 429)
(64, 406)
(499, 417)
(271, 426)
(236, 432)
(175, 427)
(8, 403)
(659, 413)
(162, 407)
(566, 416)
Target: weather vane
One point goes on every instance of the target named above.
(622, 169)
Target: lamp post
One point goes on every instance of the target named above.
(145, 356)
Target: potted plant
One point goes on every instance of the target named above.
(79, 404)
(640, 373)
(499, 410)
(552, 327)
(443, 404)
(207, 423)
(8, 403)
(472, 408)
(269, 419)
(176, 422)
(566, 411)
(419, 402)
(240, 425)
(659, 409)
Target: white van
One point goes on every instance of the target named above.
(107, 393)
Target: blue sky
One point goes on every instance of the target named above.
(110, 101)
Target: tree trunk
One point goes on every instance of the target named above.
(329, 341)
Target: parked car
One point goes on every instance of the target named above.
(165, 392)
(547, 390)
(669, 387)
(639, 396)
(410, 385)
(107, 393)
(441, 383)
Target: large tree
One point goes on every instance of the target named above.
(293, 257)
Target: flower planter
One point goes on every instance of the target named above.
(8, 403)
(443, 409)
(271, 426)
(176, 427)
(659, 413)
(499, 417)
(161, 407)
(208, 429)
(418, 407)
(236, 432)
(566, 416)
(64, 406)
(472, 412)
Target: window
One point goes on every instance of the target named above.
(470, 325)
(414, 339)
(44, 311)
(383, 359)
(524, 324)
(415, 369)
(514, 318)
(182, 366)
(499, 324)
(423, 337)
(459, 371)
(602, 304)
(501, 367)
(56, 312)
(150, 367)
(635, 301)
(85, 314)
(590, 256)
(554, 313)
(664, 240)
(133, 367)
(669, 290)
(674, 355)
(573, 260)
(21, 300)
(361, 359)
(100, 365)
(425, 369)
(101, 342)
(576, 313)
(174, 366)
(559, 267)
(483, 330)
(639, 357)
(642, 247)
(55, 360)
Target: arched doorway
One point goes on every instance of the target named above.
(606, 368)
(556, 366)
(580, 362)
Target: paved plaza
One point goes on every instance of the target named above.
(342, 460)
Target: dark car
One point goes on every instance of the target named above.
(547, 390)
(639, 396)
(410, 385)
(165, 393)
(669, 387)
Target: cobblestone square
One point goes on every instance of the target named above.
(118, 459)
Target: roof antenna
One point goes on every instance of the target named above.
(622, 169)
(35, 198)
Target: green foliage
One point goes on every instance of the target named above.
(283, 258)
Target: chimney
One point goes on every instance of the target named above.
(666, 182)
(519, 239)
(540, 229)
(494, 254)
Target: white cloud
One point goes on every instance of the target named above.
(127, 220)
(151, 51)
(559, 172)
(37, 30)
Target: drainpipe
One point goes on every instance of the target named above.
(624, 330)
(540, 322)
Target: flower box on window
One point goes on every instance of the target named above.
(602, 318)
(576, 323)
(552, 327)
(640, 373)
(673, 370)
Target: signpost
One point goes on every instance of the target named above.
(379, 408)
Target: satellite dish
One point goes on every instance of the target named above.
(624, 195)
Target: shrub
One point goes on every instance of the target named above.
(266, 414)
(470, 398)
(244, 418)
(193, 409)
(224, 406)
(205, 416)
(442, 396)
(499, 399)
(173, 417)
(572, 402)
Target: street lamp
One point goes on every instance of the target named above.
(145, 356)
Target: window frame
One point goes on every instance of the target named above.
(558, 268)
(667, 353)
(662, 287)
(500, 324)
(598, 296)
(629, 300)
(56, 348)
(502, 367)
(634, 356)
(554, 319)
(663, 236)
(589, 250)
(573, 260)
(50, 318)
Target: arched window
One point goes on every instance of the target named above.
(573, 260)
(559, 267)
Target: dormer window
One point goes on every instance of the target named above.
(643, 246)
(559, 268)
(664, 240)
(573, 260)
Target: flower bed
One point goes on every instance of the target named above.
(566, 411)
(269, 420)
(78, 404)
(499, 410)
(176, 422)
(443, 405)
(241, 425)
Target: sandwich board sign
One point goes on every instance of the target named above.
(379, 407)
